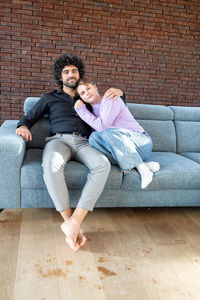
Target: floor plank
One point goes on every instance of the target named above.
(160, 258)
(10, 222)
(117, 273)
(82, 279)
(130, 254)
(37, 271)
(159, 279)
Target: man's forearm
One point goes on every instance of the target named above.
(24, 122)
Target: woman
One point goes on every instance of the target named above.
(117, 133)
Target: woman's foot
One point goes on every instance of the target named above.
(146, 179)
(153, 166)
(146, 175)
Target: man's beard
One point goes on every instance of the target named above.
(70, 85)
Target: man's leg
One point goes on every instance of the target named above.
(66, 214)
(55, 156)
(99, 168)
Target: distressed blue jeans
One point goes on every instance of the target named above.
(123, 147)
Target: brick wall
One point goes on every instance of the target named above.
(148, 48)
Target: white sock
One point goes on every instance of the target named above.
(146, 175)
(153, 166)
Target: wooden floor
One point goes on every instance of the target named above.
(136, 254)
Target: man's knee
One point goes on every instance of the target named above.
(53, 163)
(105, 164)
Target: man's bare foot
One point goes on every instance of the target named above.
(71, 230)
(74, 234)
(81, 238)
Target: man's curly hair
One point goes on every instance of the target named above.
(66, 60)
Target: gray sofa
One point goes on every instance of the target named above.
(176, 137)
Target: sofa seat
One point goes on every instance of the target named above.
(75, 173)
(176, 172)
(192, 155)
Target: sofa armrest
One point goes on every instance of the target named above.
(12, 151)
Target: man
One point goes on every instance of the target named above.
(68, 141)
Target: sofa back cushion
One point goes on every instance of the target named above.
(187, 125)
(157, 120)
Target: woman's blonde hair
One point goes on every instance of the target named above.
(84, 81)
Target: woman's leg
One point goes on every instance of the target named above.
(96, 140)
(130, 150)
(123, 148)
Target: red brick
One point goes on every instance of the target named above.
(150, 49)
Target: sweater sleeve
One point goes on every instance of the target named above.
(109, 110)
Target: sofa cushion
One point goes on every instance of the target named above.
(75, 173)
(188, 136)
(182, 113)
(10, 124)
(192, 155)
(162, 134)
(29, 103)
(176, 172)
(157, 120)
(187, 124)
(150, 112)
(40, 130)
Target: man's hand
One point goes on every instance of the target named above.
(24, 132)
(113, 94)
(78, 103)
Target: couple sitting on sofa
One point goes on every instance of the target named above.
(118, 135)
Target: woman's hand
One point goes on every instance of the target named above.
(24, 132)
(78, 103)
(113, 94)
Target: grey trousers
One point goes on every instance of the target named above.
(58, 151)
